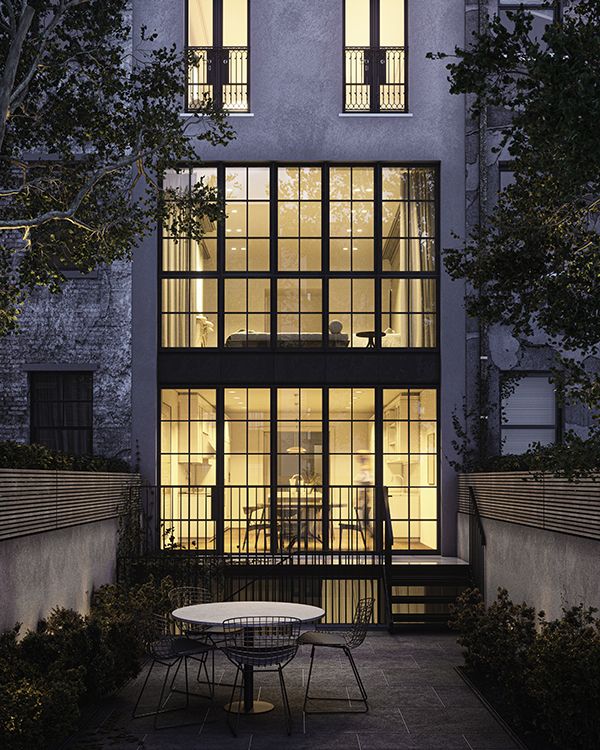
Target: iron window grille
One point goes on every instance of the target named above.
(61, 411)
(375, 71)
(218, 54)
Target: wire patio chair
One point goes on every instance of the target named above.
(170, 651)
(266, 644)
(347, 642)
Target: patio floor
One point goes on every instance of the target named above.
(417, 700)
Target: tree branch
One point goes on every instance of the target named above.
(10, 69)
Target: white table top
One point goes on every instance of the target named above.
(216, 612)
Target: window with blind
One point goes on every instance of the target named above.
(528, 413)
(61, 411)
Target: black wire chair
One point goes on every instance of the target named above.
(170, 651)
(185, 596)
(347, 642)
(266, 644)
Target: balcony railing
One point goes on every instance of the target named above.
(218, 74)
(299, 521)
(375, 79)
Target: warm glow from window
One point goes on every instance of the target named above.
(200, 23)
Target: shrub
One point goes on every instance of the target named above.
(544, 674)
(565, 679)
(51, 673)
(23, 456)
(37, 707)
(498, 642)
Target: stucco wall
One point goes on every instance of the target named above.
(56, 568)
(88, 327)
(296, 101)
(548, 570)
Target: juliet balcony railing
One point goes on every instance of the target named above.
(218, 74)
(375, 79)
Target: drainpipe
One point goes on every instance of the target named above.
(482, 384)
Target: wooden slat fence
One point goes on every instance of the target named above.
(545, 502)
(37, 500)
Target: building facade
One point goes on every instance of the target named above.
(308, 354)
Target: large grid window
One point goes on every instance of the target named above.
(375, 56)
(335, 256)
(61, 411)
(300, 467)
(218, 54)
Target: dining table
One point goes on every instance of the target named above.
(216, 613)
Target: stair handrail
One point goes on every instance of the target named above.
(388, 543)
(476, 514)
(477, 543)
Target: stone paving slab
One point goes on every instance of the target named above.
(417, 702)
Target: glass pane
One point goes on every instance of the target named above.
(200, 23)
(236, 187)
(394, 183)
(391, 23)
(357, 23)
(339, 183)
(235, 23)
(423, 404)
(258, 183)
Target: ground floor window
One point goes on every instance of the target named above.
(61, 411)
(272, 469)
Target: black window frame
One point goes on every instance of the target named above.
(374, 63)
(60, 377)
(220, 274)
(217, 65)
(378, 386)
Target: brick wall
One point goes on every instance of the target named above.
(88, 325)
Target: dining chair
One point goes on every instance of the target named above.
(267, 644)
(347, 642)
(185, 596)
(169, 650)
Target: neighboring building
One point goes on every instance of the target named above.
(498, 361)
(66, 374)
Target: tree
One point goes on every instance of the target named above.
(89, 120)
(535, 262)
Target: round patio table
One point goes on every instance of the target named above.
(216, 613)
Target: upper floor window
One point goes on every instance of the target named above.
(528, 413)
(61, 411)
(309, 256)
(541, 10)
(375, 56)
(218, 54)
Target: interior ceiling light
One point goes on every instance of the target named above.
(296, 449)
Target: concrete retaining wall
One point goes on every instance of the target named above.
(546, 569)
(55, 568)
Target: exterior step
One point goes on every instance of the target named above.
(419, 597)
